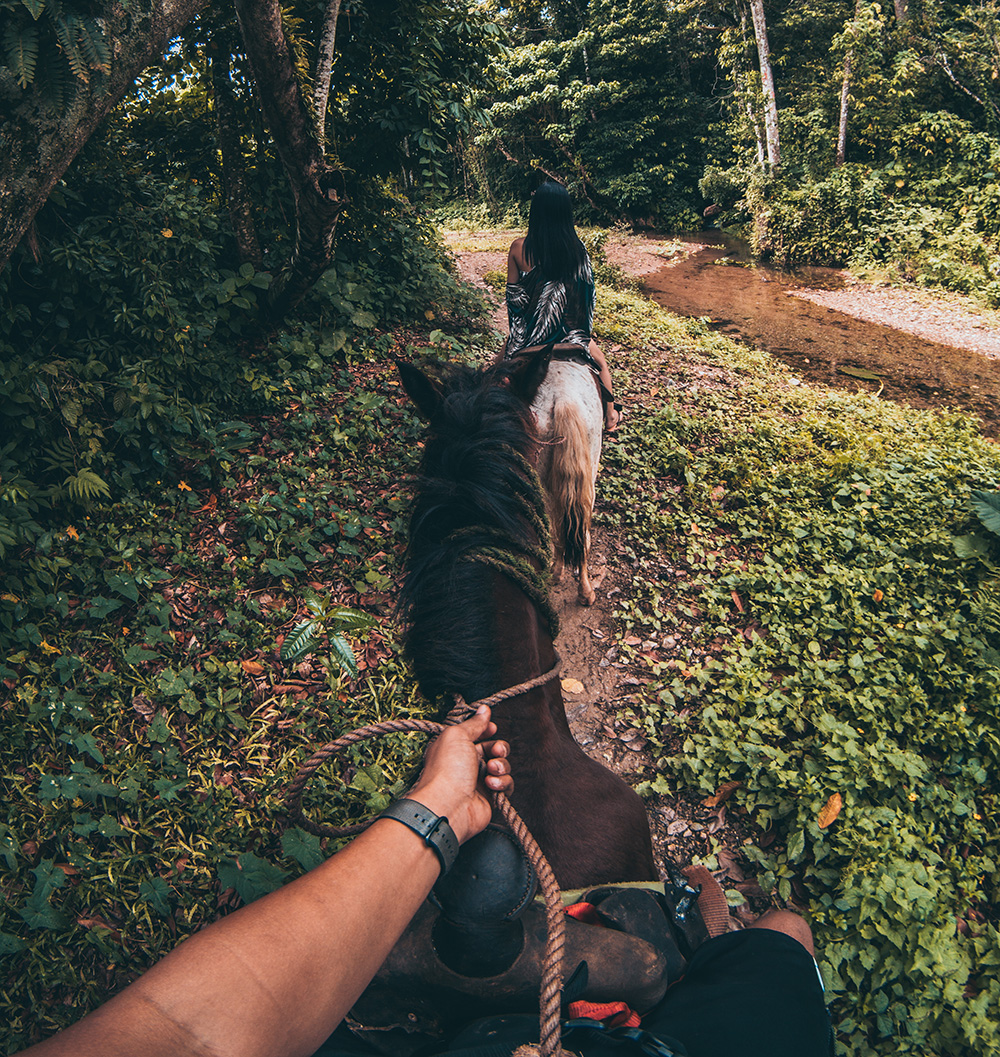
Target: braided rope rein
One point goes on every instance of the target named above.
(550, 999)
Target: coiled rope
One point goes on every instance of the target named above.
(550, 1000)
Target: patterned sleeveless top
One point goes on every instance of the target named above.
(540, 310)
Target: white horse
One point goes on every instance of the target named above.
(570, 417)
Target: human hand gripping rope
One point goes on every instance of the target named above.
(550, 1003)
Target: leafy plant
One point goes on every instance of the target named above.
(329, 620)
(39, 35)
(987, 507)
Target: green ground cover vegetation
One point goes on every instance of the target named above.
(852, 669)
(834, 571)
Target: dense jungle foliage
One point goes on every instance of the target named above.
(653, 112)
(203, 502)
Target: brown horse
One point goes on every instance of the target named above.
(479, 620)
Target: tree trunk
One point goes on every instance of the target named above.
(748, 93)
(37, 144)
(317, 188)
(234, 184)
(767, 83)
(845, 94)
(324, 68)
(902, 10)
(845, 90)
(757, 139)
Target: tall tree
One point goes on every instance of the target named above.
(234, 182)
(316, 183)
(845, 91)
(767, 84)
(324, 67)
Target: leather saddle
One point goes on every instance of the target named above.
(476, 948)
(570, 353)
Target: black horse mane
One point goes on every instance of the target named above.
(478, 503)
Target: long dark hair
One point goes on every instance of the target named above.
(552, 244)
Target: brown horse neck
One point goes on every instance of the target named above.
(524, 650)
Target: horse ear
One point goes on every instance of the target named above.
(528, 373)
(421, 389)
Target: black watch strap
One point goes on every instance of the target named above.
(434, 829)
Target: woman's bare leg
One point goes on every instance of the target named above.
(611, 415)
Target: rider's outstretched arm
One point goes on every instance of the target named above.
(277, 976)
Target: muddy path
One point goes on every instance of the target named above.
(596, 689)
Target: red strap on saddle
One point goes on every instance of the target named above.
(614, 1014)
(585, 912)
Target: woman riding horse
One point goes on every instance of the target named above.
(550, 289)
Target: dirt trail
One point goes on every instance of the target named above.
(681, 825)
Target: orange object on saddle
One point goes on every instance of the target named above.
(614, 1014)
(585, 912)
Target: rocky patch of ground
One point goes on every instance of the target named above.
(956, 321)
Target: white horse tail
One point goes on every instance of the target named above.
(571, 482)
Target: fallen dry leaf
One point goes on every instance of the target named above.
(722, 794)
(830, 811)
(717, 823)
(96, 922)
(633, 640)
(572, 686)
(252, 667)
(142, 705)
(729, 863)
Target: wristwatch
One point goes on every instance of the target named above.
(434, 829)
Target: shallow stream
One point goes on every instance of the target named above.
(819, 343)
